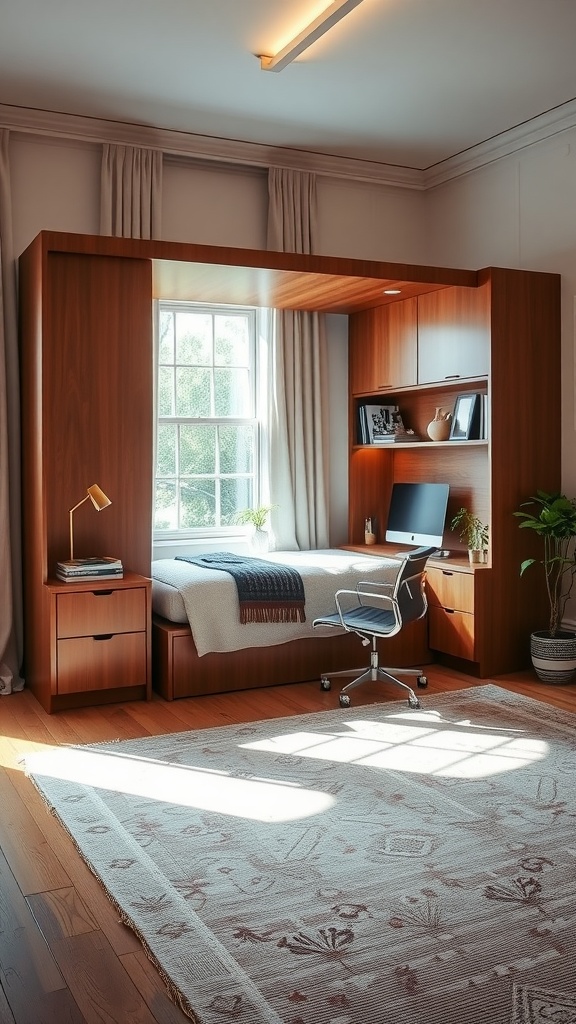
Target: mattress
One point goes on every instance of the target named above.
(208, 600)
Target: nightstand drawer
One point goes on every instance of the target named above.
(99, 663)
(454, 590)
(94, 612)
(451, 632)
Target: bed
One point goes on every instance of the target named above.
(200, 647)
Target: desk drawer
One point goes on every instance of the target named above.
(92, 612)
(451, 632)
(448, 589)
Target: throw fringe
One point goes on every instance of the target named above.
(258, 612)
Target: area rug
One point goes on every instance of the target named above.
(377, 865)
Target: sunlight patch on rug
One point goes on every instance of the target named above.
(364, 866)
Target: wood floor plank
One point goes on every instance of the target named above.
(98, 981)
(150, 984)
(24, 957)
(24, 845)
(61, 912)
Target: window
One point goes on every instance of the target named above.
(209, 420)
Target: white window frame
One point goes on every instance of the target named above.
(261, 322)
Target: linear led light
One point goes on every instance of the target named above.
(331, 16)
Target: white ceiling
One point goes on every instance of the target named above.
(403, 82)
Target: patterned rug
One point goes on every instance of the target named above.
(376, 865)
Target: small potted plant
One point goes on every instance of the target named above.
(256, 518)
(553, 518)
(473, 532)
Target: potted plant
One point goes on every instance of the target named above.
(473, 532)
(553, 518)
(257, 518)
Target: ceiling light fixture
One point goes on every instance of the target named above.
(331, 16)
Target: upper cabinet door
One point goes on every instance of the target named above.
(383, 348)
(453, 334)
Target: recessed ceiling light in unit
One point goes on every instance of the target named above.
(331, 16)
(392, 291)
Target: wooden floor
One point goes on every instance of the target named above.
(64, 956)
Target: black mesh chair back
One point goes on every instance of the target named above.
(380, 610)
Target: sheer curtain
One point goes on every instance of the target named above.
(298, 434)
(131, 192)
(11, 629)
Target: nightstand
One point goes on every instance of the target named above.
(99, 642)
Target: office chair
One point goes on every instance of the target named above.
(380, 610)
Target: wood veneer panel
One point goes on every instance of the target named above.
(264, 277)
(97, 414)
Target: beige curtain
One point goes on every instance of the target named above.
(11, 629)
(131, 192)
(298, 433)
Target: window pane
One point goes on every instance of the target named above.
(232, 392)
(197, 450)
(198, 504)
(194, 338)
(236, 449)
(193, 392)
(166, 510)
(166, 450)
(166, 337)
(235, 493)
(165, 391)
(231, 340)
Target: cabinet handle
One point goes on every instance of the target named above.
(103, 636)
(385, 387)
(102, 593)
(446, 572)
(452, 376)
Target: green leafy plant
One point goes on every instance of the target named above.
(472, 531)
(554, 520)
(256, 517)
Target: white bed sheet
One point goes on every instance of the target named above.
(210, 599)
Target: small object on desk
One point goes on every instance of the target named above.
(369, 534)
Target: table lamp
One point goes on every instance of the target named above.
(98, 499)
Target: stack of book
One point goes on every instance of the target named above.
(378, 424)
(82, 570)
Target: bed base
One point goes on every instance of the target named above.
(179, 672)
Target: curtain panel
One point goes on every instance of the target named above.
(11, 614)
(131, 192)
(298, 404)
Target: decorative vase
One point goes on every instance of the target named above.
(553, 658)
(439, 428)
(259, 541)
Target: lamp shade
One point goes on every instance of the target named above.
(98, 498)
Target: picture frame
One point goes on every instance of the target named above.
(382, 422)
(465, 418)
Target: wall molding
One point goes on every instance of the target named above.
(32, 121)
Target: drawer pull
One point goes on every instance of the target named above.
(449, 611)
(103, 636)
(102, 593)
(445, 572)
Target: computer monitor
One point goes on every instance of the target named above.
(417, 514)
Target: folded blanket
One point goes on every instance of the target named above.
(267, 592)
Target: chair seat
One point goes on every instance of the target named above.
(379, 621)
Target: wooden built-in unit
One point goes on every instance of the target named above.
(86, 335)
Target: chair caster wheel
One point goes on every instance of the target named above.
(413, 702)
(345, 701)
(324, 683)
(422, 682)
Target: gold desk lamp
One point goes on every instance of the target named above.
(98, 499)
